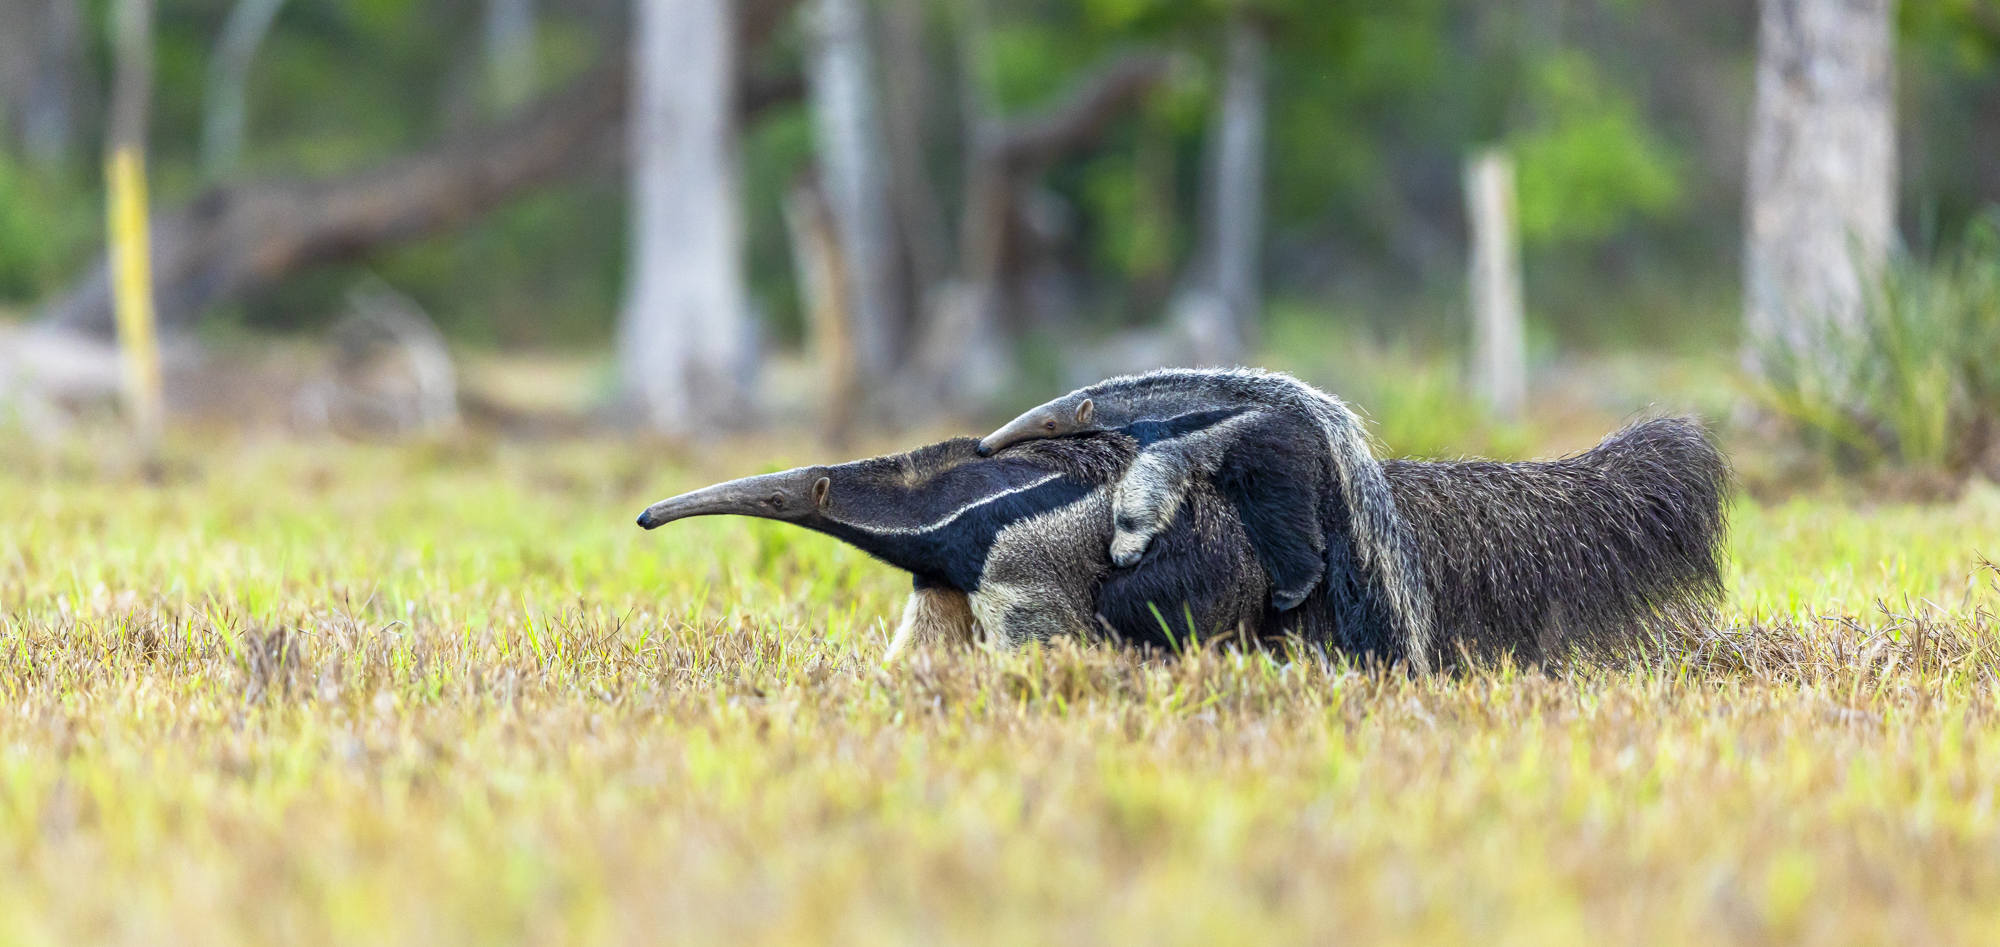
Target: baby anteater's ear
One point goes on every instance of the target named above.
(1086, 411)
(820, 490)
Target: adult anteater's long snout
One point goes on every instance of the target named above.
(790, 495)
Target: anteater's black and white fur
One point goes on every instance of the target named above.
(1013, 548)
(1533, 559)
(1582, 553)
(1295, 462)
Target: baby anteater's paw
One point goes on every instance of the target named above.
(1127, 548)
(1285, 600)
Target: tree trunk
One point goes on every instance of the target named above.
(962, 362)
(1822, 176)
(16, 72)
(1239, 190)
(906, 93)
(41, 56)
(683, 339)
(852, 174)
(510, 52)
(225, 103)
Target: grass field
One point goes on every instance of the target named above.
(449, 693)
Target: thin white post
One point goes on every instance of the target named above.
(1499, 347)
(1239, 185)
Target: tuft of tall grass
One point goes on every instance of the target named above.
(1915, 386)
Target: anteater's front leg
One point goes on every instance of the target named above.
(935, 614)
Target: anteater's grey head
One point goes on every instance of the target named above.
(794, 496)
(1070, 414)
(880, 491)
(931, 511)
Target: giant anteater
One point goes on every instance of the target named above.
(1534, 559)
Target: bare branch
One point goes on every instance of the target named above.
(237, 238)
(1093, 104)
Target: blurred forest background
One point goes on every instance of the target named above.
(1028, 195)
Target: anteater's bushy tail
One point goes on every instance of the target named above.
(1588, 552)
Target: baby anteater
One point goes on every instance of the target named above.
(1294, 461)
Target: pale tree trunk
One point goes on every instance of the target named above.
(510, 51)
(684, 342)
(1499, 346)
(1239, 193)
(41, 56)
(1822, 176)
(906, 94)
(851, 158)
(225, 102)
(16, 62)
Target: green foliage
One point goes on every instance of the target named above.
(1967, 31)
(46, 224)
(1371, 109)
(776, 151)
(1589, 165)
(1131, 200)
(1029, 65)
(1419, 407)
(1916, 385)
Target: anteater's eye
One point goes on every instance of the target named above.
(1051, 425)
(777, 500)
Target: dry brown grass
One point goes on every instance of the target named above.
(405, 696)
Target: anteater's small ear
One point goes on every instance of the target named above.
(820, 489)
(1086, 411)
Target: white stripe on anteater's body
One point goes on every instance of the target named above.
(1048, 575)
(953, 516)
